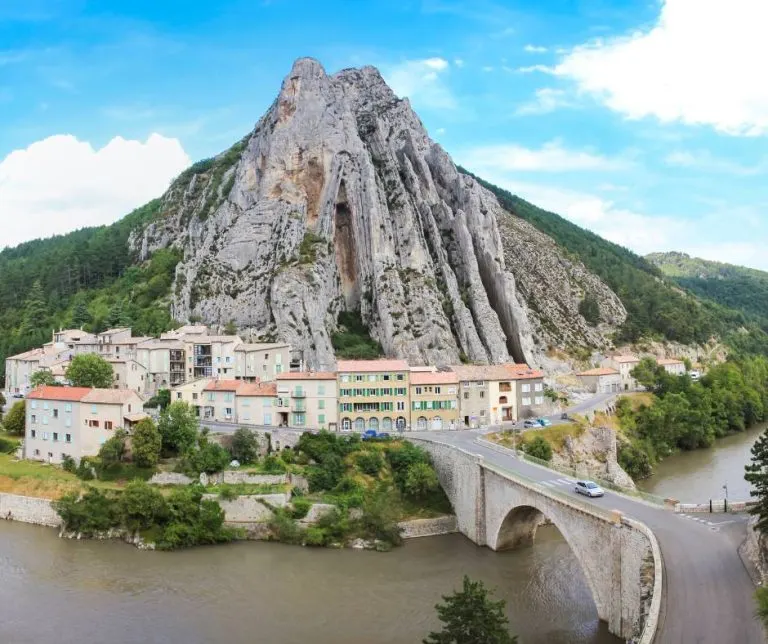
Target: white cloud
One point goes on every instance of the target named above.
(535, 49)
(551, 157)
(702, 63)
(421, 81)
(530, 69)
(60, 183)
(458, 62)
(547, 99)
(705, 161)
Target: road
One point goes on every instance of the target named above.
(708, 593)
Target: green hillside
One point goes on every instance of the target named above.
(737, 287)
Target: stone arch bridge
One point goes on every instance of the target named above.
(502, 510)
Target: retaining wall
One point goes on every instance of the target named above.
(428, 527)
(716, 507)
(249, 509)
(28, 509)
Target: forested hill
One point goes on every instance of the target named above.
(738, 287)
(86, 278)
(655, 305)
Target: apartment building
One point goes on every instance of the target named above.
(373, 394)
(256, 403)
(165, 362)
(307, 399)
(434, 400)
(109, 339)
(129, 374)
(210, 356)
(259, 362)
(624, 364)
(76, 420)
(219, 400)
(192, 393)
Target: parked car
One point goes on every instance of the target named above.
(543, 422)
(18, 395)
(530, 423)
(564, 416)
(372, 434)
(589, 488)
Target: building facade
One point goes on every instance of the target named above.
(672, 366)
(256, 404)
(260, 362)
(434, 400)
(312, 400)
(601, 380)
(76, 421)
(373, 394)
(624, 364)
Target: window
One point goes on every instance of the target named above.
(227, 359)
(267, 403)
(33, 419)
(55, 436)
(437, 390)
(359, 378)
(94, 409)
(539, 400)
(400, 405)
(526, 401)
(107, 424)
(211, 397)
(482, 394)
(321, 419)
(67, 422)
(539, 386)
(482, 413)
(400, 391)
(228, 412)
(45, 420)
(372, 377)
(387, 391)
(526, 388)
(68, 408)
(266, 356)
(178, 395)
(34, 404)
(55, 413)
(37, 452)
(68, 438)
(45, 436)
(321, 404)
(246, 403)
(466, 395)
(267, 419)
(386, 377)
(299, 419)
(194, 396)
(229, 397)
(400, 376)
(321, 390)
(45, 405)
(346, 424)
(93, 423)
(32, 433)
(418, 390)
(345, 378)
(50, 454)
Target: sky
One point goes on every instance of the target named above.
(643, 121)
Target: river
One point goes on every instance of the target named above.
(56, 591)
(699, 475)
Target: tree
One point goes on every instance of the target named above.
(146, 443)
(2, 399)
(141, 506)
(539, 447)
(757, 475)
(230, 328)
(161, 399)
(15, 419)
(90, 370)
(178, 428)
(112, 451)
(42, 378)
(590, 309)
(245, 446)
(421, 480)
(80, 315)
(471, 617)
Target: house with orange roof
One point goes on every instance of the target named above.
(218, 403)
(434, 403)
(373, 394)
(307, 399)
(624, 364)
(76, 421)
(672, 366)
(600, 380)
(256, 404)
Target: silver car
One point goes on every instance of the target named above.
(589, 488)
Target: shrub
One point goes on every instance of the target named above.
(227, 493)
(208, 457)
(178, 428)
(381, 511)
(91, 513)
(68, 464)
(85, 470)
(287, 456)
(7, 446)
(141, 506)
(192, 520)
(402, 458)
(421, 480)
(245, 446)
(370, 462)
(315, 536)
(284, 528)
(634, 461)
(301, 507)
(113, 450)
(326, 475)
(15, 420)
(539, 447)
(272, 465)
(146, 442)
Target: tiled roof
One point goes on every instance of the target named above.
(599, 371)
(669, 361)
(135, 418)
(508, 371)
(621, 359)
(371, 366)
(110, 396)
(224, 385)
(433, 377)
(258, 389)
(68, 394)
(32, 354)
(115, 330)
(243, 346)
(307, 375)
(161, 344)
(207, 339)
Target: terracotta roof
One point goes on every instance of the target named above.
(599, 371)
(32, 354)
(371, 366)
(225, 385)
(621, 359)
(307, 375)
(120, 329)
(135, 418)
(433, 377)
(68, 394)
(264, 346)
(669, 361)
(110, 396)
(258, 389)
(508, 371)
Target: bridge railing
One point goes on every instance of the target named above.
(569, 471)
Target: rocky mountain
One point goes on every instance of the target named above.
(338, 200)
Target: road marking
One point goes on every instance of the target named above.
(547, 483)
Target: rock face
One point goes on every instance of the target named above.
(338, 200)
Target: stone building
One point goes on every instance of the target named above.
(373, 394)
(434, 400)
(672, 366)
(259, 362)
(601, 380)
(624, 364)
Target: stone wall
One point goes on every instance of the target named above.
(233, 477)
(316, 512)
(715, 507)
(428, 527)
(170, 478)
(249, 509)
(28, 509)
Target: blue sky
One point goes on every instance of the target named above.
(644, 121)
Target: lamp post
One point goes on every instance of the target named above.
(725, 487)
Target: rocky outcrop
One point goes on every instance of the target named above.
(338, 200)
(594, 454)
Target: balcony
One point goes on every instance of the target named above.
(298, 393)
(298, 405)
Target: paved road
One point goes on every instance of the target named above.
(708, 593)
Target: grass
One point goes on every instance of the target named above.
(639, 399)
(242, 489)
(555, 435)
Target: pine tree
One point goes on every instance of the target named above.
(35, 312)
(80, 315)
(757, 475)
(471, 617)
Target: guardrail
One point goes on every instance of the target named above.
(569, 471)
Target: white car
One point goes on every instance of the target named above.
(589, 488)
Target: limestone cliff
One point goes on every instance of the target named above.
(339, 200)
